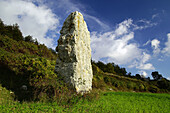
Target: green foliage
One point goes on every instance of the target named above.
(141, 87)
(11, 31)
(26, 48)
(28, 39)
(105, 78)
(106, 81)
(156, 75)
(35, 72)
(164, 84)
(6, 96)
(153, 89)
(96, 70)
(111, 68)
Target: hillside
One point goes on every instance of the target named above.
(25, 62)
(124, 83)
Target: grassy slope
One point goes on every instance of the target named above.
(25, 63)
(115, 82)
(109, 102)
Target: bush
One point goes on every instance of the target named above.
(106, 79)
(35, 72)
(27, 48)
(130, 85)
(153, 89)
(141, 87)
(164, 84)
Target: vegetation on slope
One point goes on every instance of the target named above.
(116, 78)
(26, 63)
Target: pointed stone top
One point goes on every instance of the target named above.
(76, 13)
(73, 24)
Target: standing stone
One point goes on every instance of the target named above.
(74, 53)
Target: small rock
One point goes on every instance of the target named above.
(24, 87)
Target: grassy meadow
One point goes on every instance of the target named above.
(107, 102)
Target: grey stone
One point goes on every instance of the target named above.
(74, 53)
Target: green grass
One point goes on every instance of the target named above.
(110, 102)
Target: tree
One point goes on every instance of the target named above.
(12, 31)
(36, 42)
(53, 51)
(29, 39)
(117, 69)
(16, 33)
(2, 29)
(123, 71)
(101, 65)
(110, 68)
(129, 74)
(138, 76)
(156, 75)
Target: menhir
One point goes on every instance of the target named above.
(74, 53)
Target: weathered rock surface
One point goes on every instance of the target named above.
(74, 53)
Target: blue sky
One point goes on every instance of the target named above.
(134, 34)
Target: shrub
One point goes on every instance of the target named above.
(27, 48)
(106, 79)
(130, 85)
(35, 72)
(153, 89)
(164, 84)
(141, 87)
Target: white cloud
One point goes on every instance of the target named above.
(166, 50)
(142, 62)
(168, 78)
(143, 73)
(123, 27)
(33, 20)
(155, 45)
(103, 25)
(155, 15)
(143, 24)
(147, 66)
(117, 46)
(145, 57)
(118, 50)
(147, 43)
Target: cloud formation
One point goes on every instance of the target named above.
(117, 46)
(143, 24)
(166, 50)
(143, 73)
(34, 20)
(114, 46)
(123, 27)
(155, 45)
